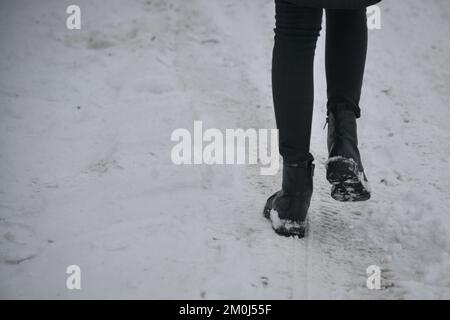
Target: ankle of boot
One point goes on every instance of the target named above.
(297, 178)
(301, 162)
(335, 107)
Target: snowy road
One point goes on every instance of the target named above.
(86, 176)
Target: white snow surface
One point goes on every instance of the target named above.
(86, 177)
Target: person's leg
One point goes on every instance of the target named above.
(346, 47)
(296, 32)
(345, 56)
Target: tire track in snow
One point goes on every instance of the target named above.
(332, 261)
(337, 232)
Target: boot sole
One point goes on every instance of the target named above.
(295, 230)
(348, 183)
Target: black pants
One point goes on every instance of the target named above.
(296, 32)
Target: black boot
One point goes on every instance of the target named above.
(344, 168)
(287, 208)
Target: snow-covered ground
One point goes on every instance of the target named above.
(86, 176)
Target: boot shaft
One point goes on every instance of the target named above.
(298, 177)
(342, 134)
(342, 125)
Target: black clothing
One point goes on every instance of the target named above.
(290, 205)
(344, 167)
(296, 32)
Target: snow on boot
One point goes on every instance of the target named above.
(344, 167)
(287, 208)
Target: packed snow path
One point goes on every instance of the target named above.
(86, 177)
